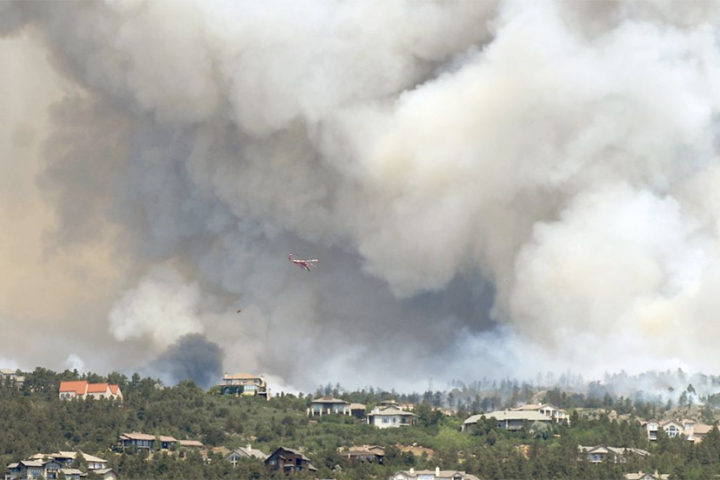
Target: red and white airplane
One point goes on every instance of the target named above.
(308, 264)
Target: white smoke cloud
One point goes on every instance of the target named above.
(162, 308)
(74, 362)
(564, 153)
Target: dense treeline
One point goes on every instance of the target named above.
(34, 420)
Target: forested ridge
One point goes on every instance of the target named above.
(33, 419)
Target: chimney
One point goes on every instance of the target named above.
(412, 471)
(437, 472)
(248, 447)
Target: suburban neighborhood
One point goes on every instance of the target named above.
(393, 435)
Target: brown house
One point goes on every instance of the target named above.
(288, 460)
(365, 453)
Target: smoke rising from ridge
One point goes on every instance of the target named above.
(489, 186)
(192, 357)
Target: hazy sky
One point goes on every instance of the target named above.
(491, 188)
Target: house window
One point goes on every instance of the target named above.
(385, 420)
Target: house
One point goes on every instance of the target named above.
(673, 428)
(66, 458)
(136, 440)
(236, 455)
(191, 444)
(647, 476)
(699, 431)
(436, 474)
(390, 417)
(509, 419)
(557, 415)
(73, 473)
(106, 474)
(357, 410)
(327, 406)
(243, 384)
(365, 453)
(11, 376)
(50, 466)
(32, 469)
(651, 427)
(288, 460)
(81, 389)
(601, 453)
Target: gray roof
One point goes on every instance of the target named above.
(509, 415)
(249, 452)
(443, 474)
(329, 400)
(391, 411)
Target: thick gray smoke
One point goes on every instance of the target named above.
(192, 357)
(492, 188)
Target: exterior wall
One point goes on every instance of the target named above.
(389, 421)
(138, 444)
(329, 408)
(672, 430)
(70, 395)
(244, 386)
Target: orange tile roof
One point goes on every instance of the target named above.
(115, 389)
(77, 386)
(97, 387)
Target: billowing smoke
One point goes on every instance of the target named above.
(192, 357)
(492, 188)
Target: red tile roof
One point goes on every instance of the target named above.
(78, 386)
(115, 389)
(97, 388)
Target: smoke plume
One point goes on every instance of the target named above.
(192, 357)
(491, 188)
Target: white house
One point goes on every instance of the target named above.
(558, 415)
(602, 453)
(509, 419)
(390, 417)
(81, 389)
(329, 405)
(436, 474)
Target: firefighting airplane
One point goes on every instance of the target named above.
(308, 264)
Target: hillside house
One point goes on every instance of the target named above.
(390, 417)
(66, 458)
(191, 444)
(509, 419)
(363, 453)
(51, 466)
(11, 376)
(81, 389)
(601, 453)
(32, 469)
(328, 406)
(436, 474)
(288, 460)
(673, 428)
(646, 476)
(558, 415)
(243, 384)
(699, 431)
(357, 410)
(136, 440)
(238, 454)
